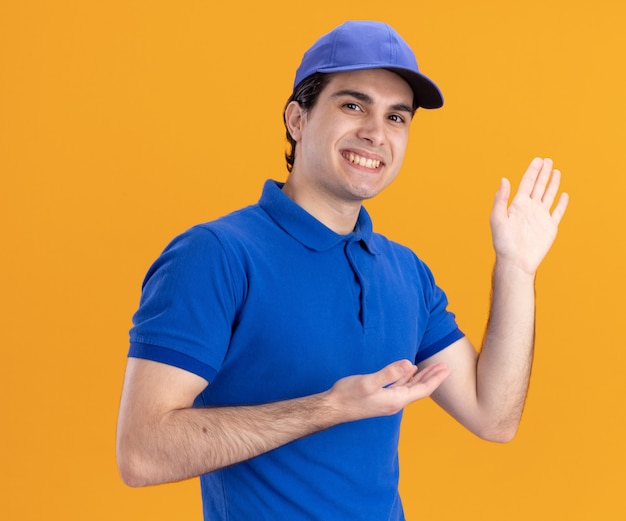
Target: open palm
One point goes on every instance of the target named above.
(524, 231)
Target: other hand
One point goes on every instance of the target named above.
(524, 231)
(387, 391)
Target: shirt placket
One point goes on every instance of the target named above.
(355, 254)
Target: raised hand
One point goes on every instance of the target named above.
(524, 231)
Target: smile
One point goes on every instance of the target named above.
(362, 161)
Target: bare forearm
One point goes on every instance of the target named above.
(486, 392)
(523, 233)
(189, 442)
(505, 361)
(160, 442)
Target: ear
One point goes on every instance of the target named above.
(294, 119)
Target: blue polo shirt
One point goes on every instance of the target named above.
(268, 304)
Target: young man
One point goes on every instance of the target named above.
(275, 348)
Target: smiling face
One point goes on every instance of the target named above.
(352, 142)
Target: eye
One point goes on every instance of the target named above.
(352, 106)
(396, 118)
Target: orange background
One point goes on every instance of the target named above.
(122, 123)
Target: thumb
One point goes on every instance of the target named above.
(501, 200)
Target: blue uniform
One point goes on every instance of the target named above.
(268, 304)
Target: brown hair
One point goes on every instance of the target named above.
(305, 94)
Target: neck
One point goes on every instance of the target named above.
(339, 216)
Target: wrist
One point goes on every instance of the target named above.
(513, 270)
(329, 409)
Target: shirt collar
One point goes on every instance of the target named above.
(305, 228)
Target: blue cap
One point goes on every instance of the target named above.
(359, 45)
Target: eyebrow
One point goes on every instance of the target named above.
(366, 98)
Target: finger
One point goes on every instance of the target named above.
(433, 368)
(541, 181)
(408, 376)
(400, 371)
(559, 209)
(428, 372)
(529, 178)
(403, 380)
(429, 378)
(552, 189)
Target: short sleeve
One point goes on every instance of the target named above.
(188, 304)
(441, 329)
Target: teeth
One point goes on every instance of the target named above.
(361, 161)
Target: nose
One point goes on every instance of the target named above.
(372, 130)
